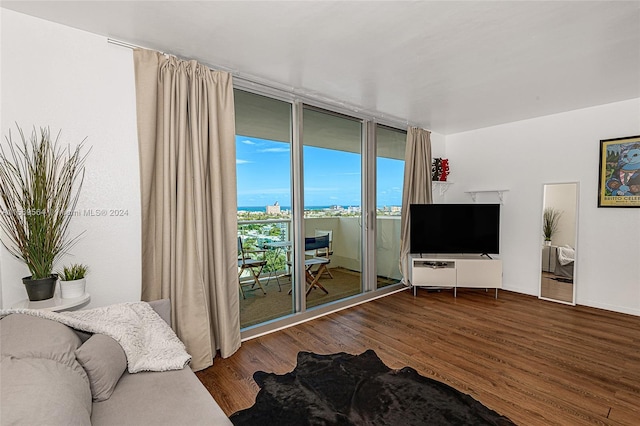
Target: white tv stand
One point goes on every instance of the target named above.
(453, 271)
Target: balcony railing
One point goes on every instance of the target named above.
(346, 244)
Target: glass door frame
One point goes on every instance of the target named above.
(369, 276)
(297, 209)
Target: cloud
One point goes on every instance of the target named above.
(264, 191)
(239, 161)
(275, 150)
(248, 142)
(321, 189)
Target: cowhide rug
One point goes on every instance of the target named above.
(344, 389)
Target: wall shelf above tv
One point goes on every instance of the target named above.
(499, 192)
(441, 185)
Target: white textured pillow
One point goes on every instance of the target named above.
(104, 361)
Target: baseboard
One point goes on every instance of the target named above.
(609, 307)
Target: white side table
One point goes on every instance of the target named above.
(56, 303)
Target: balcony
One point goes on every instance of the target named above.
(345, 265)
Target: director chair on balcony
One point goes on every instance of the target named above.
(313, 278)
(254, 266)
(325, 251)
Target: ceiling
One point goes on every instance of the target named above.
(447, 66)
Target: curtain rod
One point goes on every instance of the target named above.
(279, 87)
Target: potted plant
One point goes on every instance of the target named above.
(39, 188)
(550, 220)
(73, 281)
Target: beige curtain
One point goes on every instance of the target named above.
(186, 134)
(416, 188)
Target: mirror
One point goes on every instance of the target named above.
(559, 242)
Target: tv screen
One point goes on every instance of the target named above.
(455, 228)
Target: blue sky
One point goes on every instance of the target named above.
(330, 177)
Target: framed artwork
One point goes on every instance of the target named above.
(619, 183)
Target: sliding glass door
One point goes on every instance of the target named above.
(390, 146)
(263, 167)
(332, 164)
(305, 172)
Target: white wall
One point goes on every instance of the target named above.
(521, 157)
(71, 80)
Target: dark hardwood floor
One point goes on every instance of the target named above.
(537, 362)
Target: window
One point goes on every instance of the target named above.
(332, 163)
(325, 170)
(390, 146)
(263, 168)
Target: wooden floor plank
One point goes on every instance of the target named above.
(535, 361)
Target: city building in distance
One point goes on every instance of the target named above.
(274, 209)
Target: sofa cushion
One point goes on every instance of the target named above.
(159, 398)
(42, 382)
(26, 336)
(162, 308)
(104, 361)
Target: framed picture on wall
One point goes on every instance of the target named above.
(619, 183)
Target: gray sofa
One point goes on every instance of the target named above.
(53, 375)
(551, 263)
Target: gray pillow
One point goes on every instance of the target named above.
(104, 361)
(38, 364)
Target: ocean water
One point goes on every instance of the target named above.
(264, 208)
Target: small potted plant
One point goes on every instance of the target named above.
(550, 220)
(73, 281)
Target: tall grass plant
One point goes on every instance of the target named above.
(40, 183)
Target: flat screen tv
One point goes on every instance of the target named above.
(455, 228)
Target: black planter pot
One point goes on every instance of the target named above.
(41, 289)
